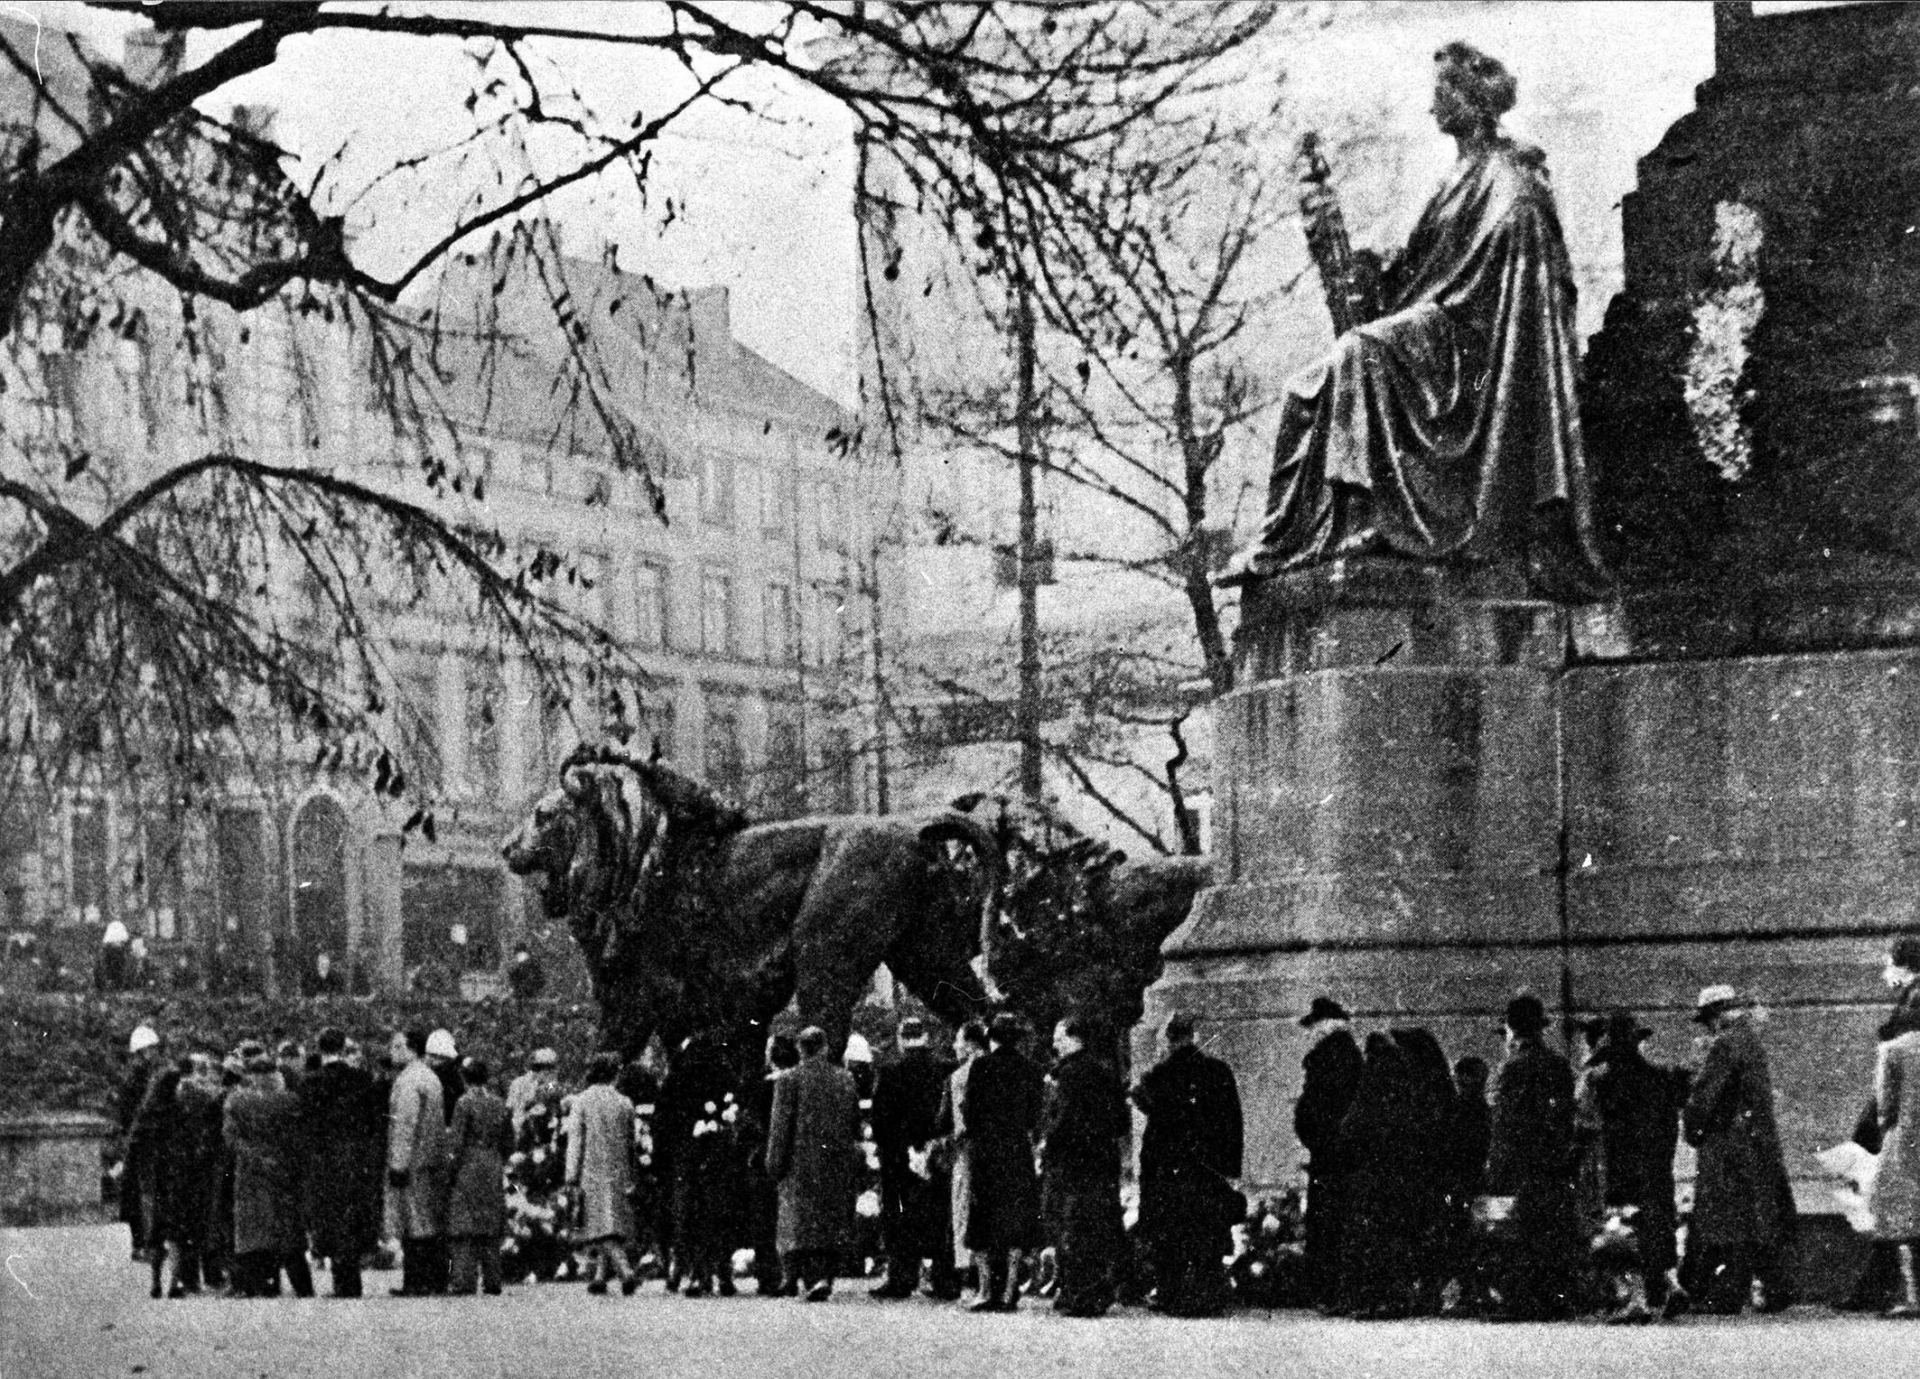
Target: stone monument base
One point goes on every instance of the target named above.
(1431, 792)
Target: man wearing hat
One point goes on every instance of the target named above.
(1638, 1103)
(1743, 1211)
(531, 1085)
(1530, 1159)
(913, 1205)
(1332, 1071)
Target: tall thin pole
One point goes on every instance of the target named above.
(1027, 422)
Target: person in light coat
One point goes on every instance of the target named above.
(600, 1167)
(969, 1042)
(417, 1167)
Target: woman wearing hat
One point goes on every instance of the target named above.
(1743, 1211)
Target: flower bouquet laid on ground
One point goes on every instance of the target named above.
(1269, 1267)
(538, 1208)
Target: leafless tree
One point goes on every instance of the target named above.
(139, 615)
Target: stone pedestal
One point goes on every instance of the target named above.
(50, 1169)
(1430, 794)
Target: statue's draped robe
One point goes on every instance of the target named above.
(1448, 428)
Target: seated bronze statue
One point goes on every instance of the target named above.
(1446, 429)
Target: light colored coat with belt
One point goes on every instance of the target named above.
(417, 1146)
(600, 1161)
(1895, 1198)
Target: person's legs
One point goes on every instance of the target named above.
(463, 1264)
(489, 1251)
(346, 1276)
(294, 1261)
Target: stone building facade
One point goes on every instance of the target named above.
(746, 613)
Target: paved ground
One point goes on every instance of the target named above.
(72, 1304)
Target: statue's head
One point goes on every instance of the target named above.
(1471, 89)
(590, 840)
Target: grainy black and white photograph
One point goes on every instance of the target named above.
(959, 690)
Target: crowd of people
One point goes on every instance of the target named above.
(1538, 1190)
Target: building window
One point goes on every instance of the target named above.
(449, 924)
(716, 482)
(776, 502)
(783, 645)
(726, 758)
(826, 629)
(163, 870)
(837, 762)
(418, 712)
(89, 898)
(557, 737)
(486, 710)
(716, 613)
(650, 605)
(827, 516)
(660, 723)
(591, 587)
(783, 791)
(19, 843)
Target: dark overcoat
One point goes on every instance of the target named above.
(1190, 1150)
(1331, 1071)
(263, 1129)
(813, 1137)
(1741, 1194)
(190, 1164)
(345, 1119)
(479, 1142)
(1001, 1110)
(906, 1116)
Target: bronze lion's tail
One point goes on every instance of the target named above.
(952, 826)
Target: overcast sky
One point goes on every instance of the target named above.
(764, 204)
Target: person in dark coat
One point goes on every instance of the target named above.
(263, 1129)
(171, 1235)
(1472, 1129)
(1380, 1145)
(813, 1134)
(344, 1129)
(915, 1211)
(478, 1144)
(1743, 1211)
(1639, 1103)
(1083, 1124)
(698, 1124)
(1331, 1076)
(1530, 1160)
(136, 1164)
(1430, 1116)
(1001, 1109)
(191, 1164)
(763, 1194)
(1190, 1155)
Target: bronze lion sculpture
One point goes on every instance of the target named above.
(691, 918)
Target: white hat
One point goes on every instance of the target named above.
(1712, 998)
(858, 1050)
(143, 1038)
(440, 1045)
(544, 1058)
(116, 933)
